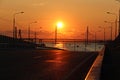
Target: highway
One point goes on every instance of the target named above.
(45, 64)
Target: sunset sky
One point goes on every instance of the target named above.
(75, 15)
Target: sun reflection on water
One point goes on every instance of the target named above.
(59, 45)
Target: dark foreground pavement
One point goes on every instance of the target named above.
(44, 64)
(111, 62)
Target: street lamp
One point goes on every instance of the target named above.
(29, 29)
(14, 24)
(110, 27)
(95, 40)
(59, 25)
(119, 19)
(103, 33)
(115, 22)
(86, 38)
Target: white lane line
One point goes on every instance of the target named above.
(77, 67)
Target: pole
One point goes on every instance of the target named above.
(85, 41)
(116, 27)
(35, 37)
(95, 41)
(111, 31)
(29, 29)
(119, 22)
(74, 45)
(13, 26)
(87, 34)
(19, 34)
(29, 32)
(104, 35)
(55, 34)
(15, 32)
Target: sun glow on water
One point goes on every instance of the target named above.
(59, 45)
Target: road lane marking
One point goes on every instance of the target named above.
(77, 67)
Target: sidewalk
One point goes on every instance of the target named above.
(95, 70)
(111, 63)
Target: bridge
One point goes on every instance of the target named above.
(39, 40)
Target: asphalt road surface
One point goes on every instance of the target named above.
(44, 64)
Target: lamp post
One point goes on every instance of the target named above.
(119, 23)
(14, 24)
(95, 40)
(29, 29)
(59, 25)
(55, 34)
(86, 38)
(110, 27)
(119, 19)
(103, 33)
(115, 22)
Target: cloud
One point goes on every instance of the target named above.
(118, 0)
(0, 2)
(39, 4)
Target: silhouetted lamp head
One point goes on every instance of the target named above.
(22, 12)
(35, 22)
(108, 13)
(105, 21)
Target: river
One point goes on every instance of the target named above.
(76, 46)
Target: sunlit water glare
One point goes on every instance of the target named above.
(76, 46)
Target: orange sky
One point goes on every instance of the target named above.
(75, 14)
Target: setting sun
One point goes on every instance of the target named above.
(59, 24)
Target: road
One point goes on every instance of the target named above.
(45, 64)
